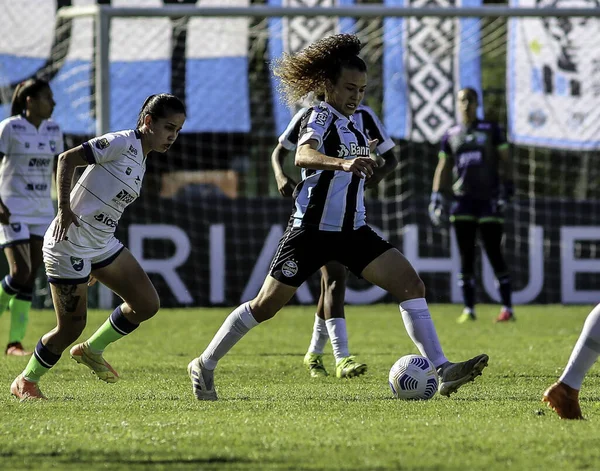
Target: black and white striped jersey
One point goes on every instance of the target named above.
(327, 199)
(364, 118)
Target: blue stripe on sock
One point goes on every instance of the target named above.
(120, 323)
(45, 356)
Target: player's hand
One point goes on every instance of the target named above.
(285, 185)
(92, 281)
(4, 214)
(438, 213)
(360, 166)
(64, 219)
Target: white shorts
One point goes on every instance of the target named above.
(62, 267)
(19, 232)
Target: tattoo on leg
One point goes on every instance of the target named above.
(67, 301)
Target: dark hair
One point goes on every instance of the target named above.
(160, 106)
(322, 61)
(30, 87)
(471, 92)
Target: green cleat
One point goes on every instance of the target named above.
(349, 368)
(314, 363)
(466, 316)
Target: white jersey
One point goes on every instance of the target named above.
(110, 183)
(26, 169)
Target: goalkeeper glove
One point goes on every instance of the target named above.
(438, 213)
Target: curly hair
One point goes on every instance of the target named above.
(311, 68)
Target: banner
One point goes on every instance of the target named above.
(553, 78)
(426, 61)
(202, 60)
(294, 34)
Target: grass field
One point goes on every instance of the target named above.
(272, 415)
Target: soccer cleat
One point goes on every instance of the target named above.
(466, 316)
(349, 368)
(314, 363)
(564, 400)
(82, 354)
(454, 375)
(203, 383)
(25, 390)
(16, 349)
(505, 316)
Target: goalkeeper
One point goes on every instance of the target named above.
(475, 152)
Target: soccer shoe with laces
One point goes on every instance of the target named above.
(454, 375)
(505, 316)
(466, 316)
(25, 390)
(203, 382)
(16, 349)
(564, 400)
(82, 354)
(349, 368)
(314, 364)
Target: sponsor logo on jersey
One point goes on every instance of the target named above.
(77, 263)
(128, 171)
(138, 180)
(345, 130)
(322, 118)
(16, 226)
(289, 268)
(132, 150)
(52, 127)
(360, 151)
(102, 143)
(469, 158)
(37, 186)
(41, 145)
(343, 151)
(38, 162)
(105, 219)
(125, 197)
(19, 127)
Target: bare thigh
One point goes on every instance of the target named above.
(125, 277)
(394, 273)
(19, 262)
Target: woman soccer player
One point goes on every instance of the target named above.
(330, 322)
(475, 151)
(328, 222)
(80, 242)
(29, 141)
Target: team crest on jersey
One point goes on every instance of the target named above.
(133, 150)
(289, 268)
(343, 151)
(102, 143)
(77, 263)
(52, 146)
(16, 226)
(128, 171)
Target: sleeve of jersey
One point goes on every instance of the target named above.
(314, 126)
(445, 150)
(289, 138)
(4, 138)
(375, 130)
(103, 149)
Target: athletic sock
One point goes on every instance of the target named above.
(115, 327)
(19, 305)
(338, 335)
(40, 363)
(320, 336)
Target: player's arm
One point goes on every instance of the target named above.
(390, 162)
(285, 184)
(505, 164)
(441, 187)
(67, 163)
(442, 177)
(307, 156)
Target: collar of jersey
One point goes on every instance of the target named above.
(324, 104)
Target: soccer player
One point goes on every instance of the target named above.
(330, 322)
(80, 242)
(476, 153)
(563, 396)
(29, 141)
(328, 222)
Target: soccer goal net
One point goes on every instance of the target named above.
(210, 215)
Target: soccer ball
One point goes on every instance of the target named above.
(413, 377)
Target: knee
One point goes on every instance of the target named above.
(148, 307)
(21, 276)
(414, 288)
(263, 309)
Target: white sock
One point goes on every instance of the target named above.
(237, 324)
(585, 353)
(319, 336)
(336, 327)
(421, 330)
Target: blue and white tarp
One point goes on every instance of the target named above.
(553, 78)
(213, 74)
(426, 61)
(295, 33)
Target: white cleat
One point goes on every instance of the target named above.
(203, 384)
(454, 375)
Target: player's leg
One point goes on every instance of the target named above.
(390, 270)
(465, 229)
(563, 396)
(313, 360)
(492, 234)
(70, 304)
(141, 302)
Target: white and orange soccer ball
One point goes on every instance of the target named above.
(413, 377)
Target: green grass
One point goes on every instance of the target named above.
(272, 415)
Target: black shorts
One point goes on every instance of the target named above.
(303, 250)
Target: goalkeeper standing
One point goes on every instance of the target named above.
(29, 141)
(474, 154)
